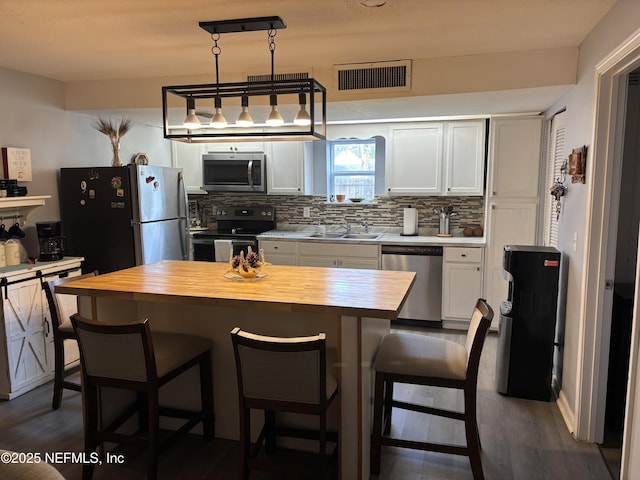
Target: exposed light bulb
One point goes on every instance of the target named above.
(245, 119)
(218, 120)
(274, 119)
(191, 122)
(302, 117)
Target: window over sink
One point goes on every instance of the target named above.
(355, 168)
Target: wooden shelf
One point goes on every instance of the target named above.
(22, 206)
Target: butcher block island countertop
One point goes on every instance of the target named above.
(342, 291)
(354, 308)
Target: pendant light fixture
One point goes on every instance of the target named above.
(274, 119)
(283, 97)
(218, 120)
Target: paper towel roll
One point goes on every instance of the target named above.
(410, 225)
(222, 249)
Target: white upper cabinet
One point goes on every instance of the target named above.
(289, 169)
(464, 157)
(188, 156)
(437, 158)
(360, 131)
(236, 147)
(415, 166)
(514, 146)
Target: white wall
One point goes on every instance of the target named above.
(622, 20)
(33, 117)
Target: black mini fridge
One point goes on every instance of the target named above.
(526, 332)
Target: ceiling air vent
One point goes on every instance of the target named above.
(371, 77)
(278, 76)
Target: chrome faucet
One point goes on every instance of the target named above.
(366, 227)
(347, 228)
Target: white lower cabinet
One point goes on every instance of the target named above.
(461, 281)
(26, 333)
(27, 357)
(278, 252)
(339, 255)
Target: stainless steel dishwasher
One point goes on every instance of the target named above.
(424, 302)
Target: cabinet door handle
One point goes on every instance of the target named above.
(275, 248)
(463, 255)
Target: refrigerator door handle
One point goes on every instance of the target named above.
(185, 234)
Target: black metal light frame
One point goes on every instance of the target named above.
(183, 96)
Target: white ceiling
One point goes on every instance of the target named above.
(83, 40)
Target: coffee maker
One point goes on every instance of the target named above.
(50, 240)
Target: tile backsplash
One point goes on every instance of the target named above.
(383, 211)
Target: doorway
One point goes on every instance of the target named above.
(624, 280)
(612, 75)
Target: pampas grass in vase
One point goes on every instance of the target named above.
(115, 133)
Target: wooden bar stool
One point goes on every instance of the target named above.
(61, 307)
(127, 356)
(279, 375)
(424, 360)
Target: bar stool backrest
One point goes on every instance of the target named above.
(281, 369)
(116, 351)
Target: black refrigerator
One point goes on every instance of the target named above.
(527, 328)
(119, 217)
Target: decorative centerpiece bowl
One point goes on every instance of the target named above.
(249, 267)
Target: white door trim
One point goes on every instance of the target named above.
(630, 465)
(600, 236)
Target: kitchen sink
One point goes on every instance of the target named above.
(361, 236)
(326, 235)
(347, 236)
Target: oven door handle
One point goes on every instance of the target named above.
(243, 242)
(250, 172)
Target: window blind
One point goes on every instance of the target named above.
(555, 159)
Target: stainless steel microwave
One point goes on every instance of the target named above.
(234, 172)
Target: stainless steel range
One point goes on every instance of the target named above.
(236, 230)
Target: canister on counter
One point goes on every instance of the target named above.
(3, 260)
(12, 252)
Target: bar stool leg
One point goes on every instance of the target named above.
(388, 405)
(206, 393)
(473, 436)
(58, 348)
(376, 440)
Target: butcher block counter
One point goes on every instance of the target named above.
(353, 308)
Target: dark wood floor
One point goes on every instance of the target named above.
(521, 439)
